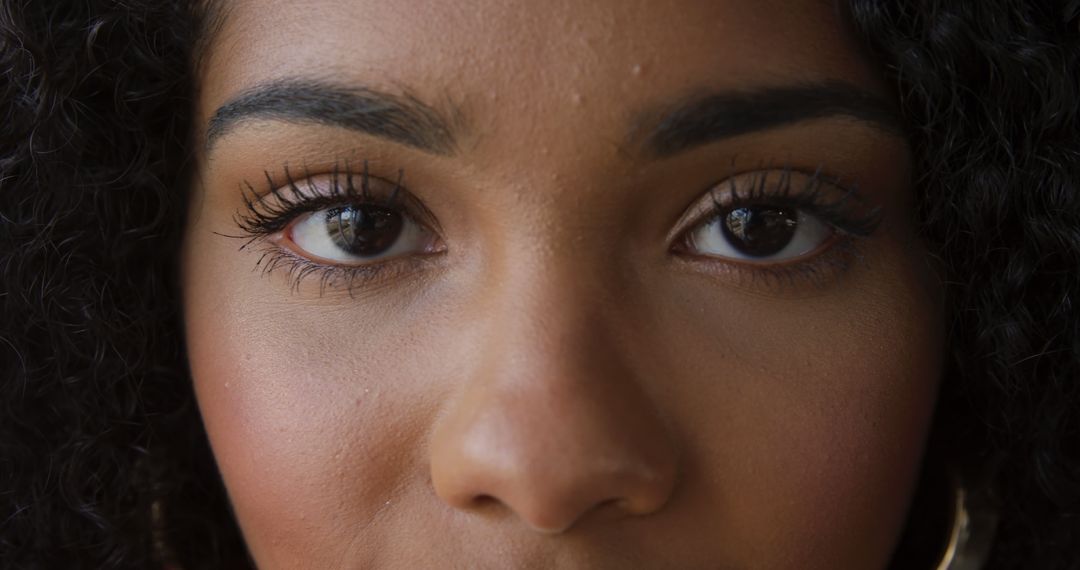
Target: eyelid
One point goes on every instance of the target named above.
(813, 192)
(315, 191)
(267, 215)
(273, 209)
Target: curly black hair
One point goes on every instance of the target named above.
(103, 459)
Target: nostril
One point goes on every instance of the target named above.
(482, 501)
(614, 507)
(613, 502)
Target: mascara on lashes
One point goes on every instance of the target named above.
(269, 212)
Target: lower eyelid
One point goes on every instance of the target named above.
(834, 238)
(811, 272)
(348, 278)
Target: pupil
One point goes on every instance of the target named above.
(760, 231)
(364, 230)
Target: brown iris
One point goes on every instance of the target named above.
(759, 231)
(364, 230)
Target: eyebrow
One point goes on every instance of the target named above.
(403, 119)
(714, 117)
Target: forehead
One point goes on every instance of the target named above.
(522, 62)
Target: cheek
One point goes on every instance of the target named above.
(809, 417)
(310, 442)
(845, 452)
(315, 409)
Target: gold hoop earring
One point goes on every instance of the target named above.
(974, 521)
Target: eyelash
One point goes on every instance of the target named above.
(270, 212)
(260, 218)
(847, 214)
(266, 214)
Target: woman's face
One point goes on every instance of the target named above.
(515, 284)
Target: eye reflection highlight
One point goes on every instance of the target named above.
(759, 234)
(356, 234)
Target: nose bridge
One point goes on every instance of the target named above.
(553, 329)
(552, 422)
(557, 299)
(548, 278)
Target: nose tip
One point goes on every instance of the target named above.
(552, 496)
(551, 474)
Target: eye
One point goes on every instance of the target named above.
(358, 234)
(759, 233)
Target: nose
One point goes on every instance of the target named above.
(553, 424)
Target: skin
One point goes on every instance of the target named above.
(560, 385)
